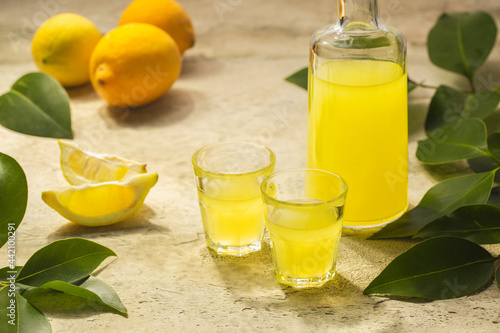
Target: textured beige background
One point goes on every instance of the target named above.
(231, 87)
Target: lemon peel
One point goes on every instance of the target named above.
(134, 64)
(103, 203)
(62, 46)
(82, 167)
(168, 15)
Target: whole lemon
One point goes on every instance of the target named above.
(168, 15)
(62, 47)
(134, 64)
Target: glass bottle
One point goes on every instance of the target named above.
(357, 121)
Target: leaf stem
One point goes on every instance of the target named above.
(427, 86)
(471, 83)
(490, 155)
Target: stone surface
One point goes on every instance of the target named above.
(231, 87)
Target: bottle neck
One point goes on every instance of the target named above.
(358, 14)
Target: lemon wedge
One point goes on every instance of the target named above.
(101, 204)
(82, 167)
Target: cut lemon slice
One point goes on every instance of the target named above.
(82, 167)
(101, 204)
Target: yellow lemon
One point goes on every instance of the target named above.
(134, 64)
(83, 167)
(62, 47)
(168, 15)
(103, 203)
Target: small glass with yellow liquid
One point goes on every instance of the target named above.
(357, 123)
(305, 209)
(228, 177)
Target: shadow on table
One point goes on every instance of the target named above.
(253, 271)
(252, 282)
(199, 66)
(138, 223)
(173, 107)
(82, 93)
(339, 286)
(254, 274)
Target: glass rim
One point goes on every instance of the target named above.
(270, 165)
(264, 183)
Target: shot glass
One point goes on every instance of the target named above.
(228, 177)
(304, 218)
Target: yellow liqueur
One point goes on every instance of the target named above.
(357, 120)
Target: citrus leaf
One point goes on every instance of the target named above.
(494, 145)
(299, 78)
(482, 164)
(409, 223)
(26, 318)
(67, 260)
(412, 85)
(437, 268)
(37, 105)
(442, 199)
(91, 289)
(477, 223)
(13, 196)
(449, 105)
(461, 42)
(6, 273)
(494, 198)
(463, 140)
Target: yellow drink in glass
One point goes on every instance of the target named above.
(305, 240)
(358, 129)
(235, 217)
(304, 218)
(228, 177)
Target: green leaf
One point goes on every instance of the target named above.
(463, 140)
(461, 42)
(92, 289)
(21, 317)
(37, 105)
(67, 260)
(442, 199)
(13, 196)
(437, 268)
(449, 105)
(482, 164)
(494, 198)
(494, 145)
(477, 223)
(4, 273)
(412, 85)
(299, 78)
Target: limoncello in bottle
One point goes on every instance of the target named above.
(357, 121)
